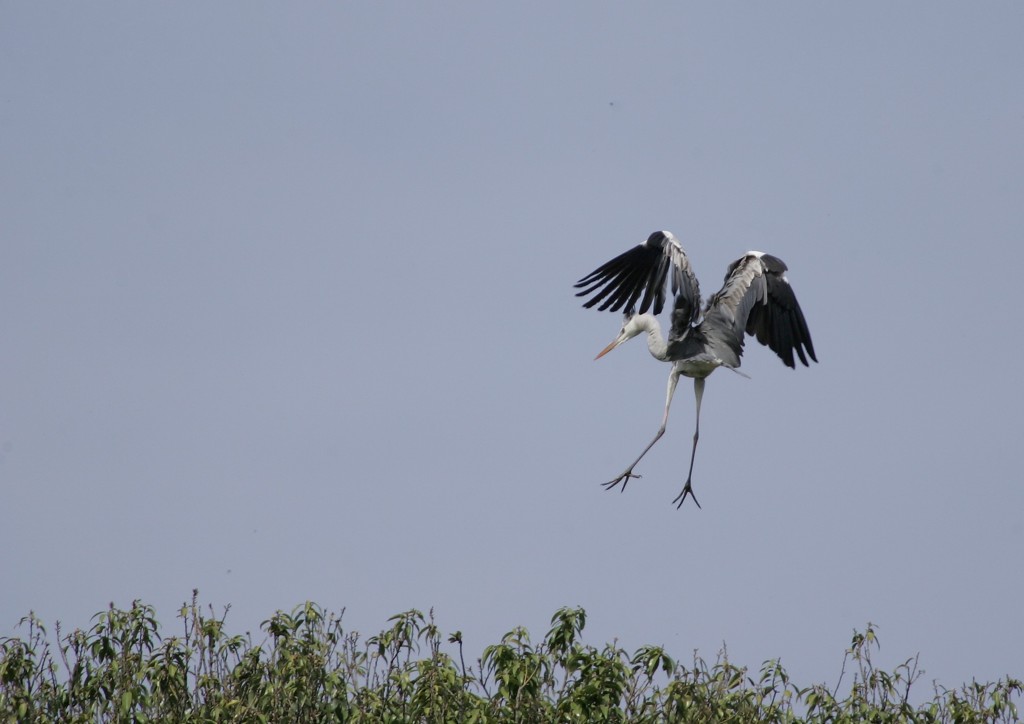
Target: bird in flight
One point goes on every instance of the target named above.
(756, 299)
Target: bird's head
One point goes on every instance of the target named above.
(632, 325)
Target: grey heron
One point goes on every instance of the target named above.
(756, 299)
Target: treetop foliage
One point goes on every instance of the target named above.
(309, 669)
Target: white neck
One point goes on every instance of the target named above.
(655, 342)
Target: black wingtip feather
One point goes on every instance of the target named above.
(635, 276)
(778, 322)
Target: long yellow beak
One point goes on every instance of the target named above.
(615, 343)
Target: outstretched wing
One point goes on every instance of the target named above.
(639, 275)
(756, 299)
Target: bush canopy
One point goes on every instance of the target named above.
(309, 669)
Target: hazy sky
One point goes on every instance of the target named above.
(286, 311)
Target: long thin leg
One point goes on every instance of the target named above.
(673, 378)
(698, 391)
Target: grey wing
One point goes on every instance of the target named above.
(757, 299)
(780, 323)
(640, 275)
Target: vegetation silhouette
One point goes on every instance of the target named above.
(309, 669)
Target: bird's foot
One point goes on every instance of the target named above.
(622, 479)
(687, 490)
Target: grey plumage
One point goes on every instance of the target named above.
(756, 299)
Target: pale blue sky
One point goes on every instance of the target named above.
(286, 310)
